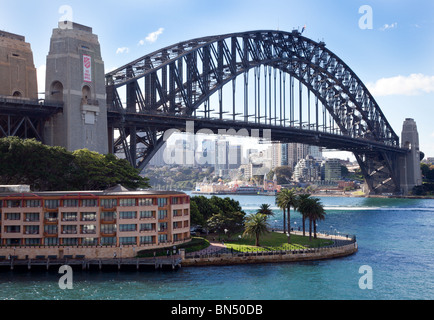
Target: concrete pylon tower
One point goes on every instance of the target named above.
(411, 174)
(17, 70)
(75, 76)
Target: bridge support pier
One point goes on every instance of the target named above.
(411, 174)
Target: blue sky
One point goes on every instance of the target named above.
(395, 58)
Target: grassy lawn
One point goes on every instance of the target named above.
(275, 241)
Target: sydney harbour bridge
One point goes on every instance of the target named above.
(282, 82)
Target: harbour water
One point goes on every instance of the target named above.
(395, 238)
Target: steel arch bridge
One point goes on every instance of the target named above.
(291, 85)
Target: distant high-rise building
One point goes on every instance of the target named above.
(332, 170)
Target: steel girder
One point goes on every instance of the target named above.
(180, 78)
(25, 118)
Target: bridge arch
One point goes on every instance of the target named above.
(179, 81)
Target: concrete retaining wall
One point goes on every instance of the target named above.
(277, 257)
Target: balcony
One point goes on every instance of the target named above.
(51, 221)
(108, 220)
(50, 234)
(108, 233)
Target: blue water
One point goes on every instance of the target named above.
(395, 238)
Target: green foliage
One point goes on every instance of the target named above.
(47, 168)
(217, 214)
(265, 209)
(255, 226)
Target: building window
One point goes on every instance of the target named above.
(13, 203)
(89, 203)
(162, 227)
(32, 242)
(70, 241)
(147, 240)
(52, 204)
(51, 216)
(69, 230)
(31, 230)
(147, 214)
(51, 241)
(50, 230)
(127, 202)
(162, 238)
(33, 203)
(126, 241)
(127, 227)
(88, 229)
(70, 203)
(13, 229)
(69, 216)
(162, 214)
(162, 202)
(108, 229)
(176, 200)
(88, 216)
(108, 203)
(108, 216)
(127, 215)
(33, 217)
(108, 241)
(147, 227)
(177, 213)
(146, 202)
(89, 242)
(13, 216)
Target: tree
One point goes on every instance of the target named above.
(283, 174)
(265, 210)
(301, 198)
(47, 168)
(227, 222)
(286, 199)
(313, 210)
(255, 226)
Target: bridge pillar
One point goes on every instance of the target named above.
(17, 69)
(411, 174)
(75, 76)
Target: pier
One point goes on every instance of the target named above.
(163, 263)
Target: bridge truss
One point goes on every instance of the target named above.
(289, 84)
(25, 118)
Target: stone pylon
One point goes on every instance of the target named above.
(17, 69)
(411, 174)
(75, 76)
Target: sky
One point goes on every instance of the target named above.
(387, 43)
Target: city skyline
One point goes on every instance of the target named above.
(392, 56)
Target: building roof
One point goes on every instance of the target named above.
(114, 191)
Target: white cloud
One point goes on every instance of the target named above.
(152, 37)
(40, 74)
(123, 50)
(389, 26)
(415, 84)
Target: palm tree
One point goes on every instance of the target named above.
(265, 209)
(312, 209)
(255, 226)
(318, 213)
(301, 198)
(285, 200)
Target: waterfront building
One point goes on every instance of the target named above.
(331, 170)
(113, 218)
(307, 170)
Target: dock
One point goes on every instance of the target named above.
(163, 263)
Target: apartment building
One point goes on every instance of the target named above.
(110, 218)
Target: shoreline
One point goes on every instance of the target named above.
(315, 195)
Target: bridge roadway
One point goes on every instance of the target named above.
(164, 122)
